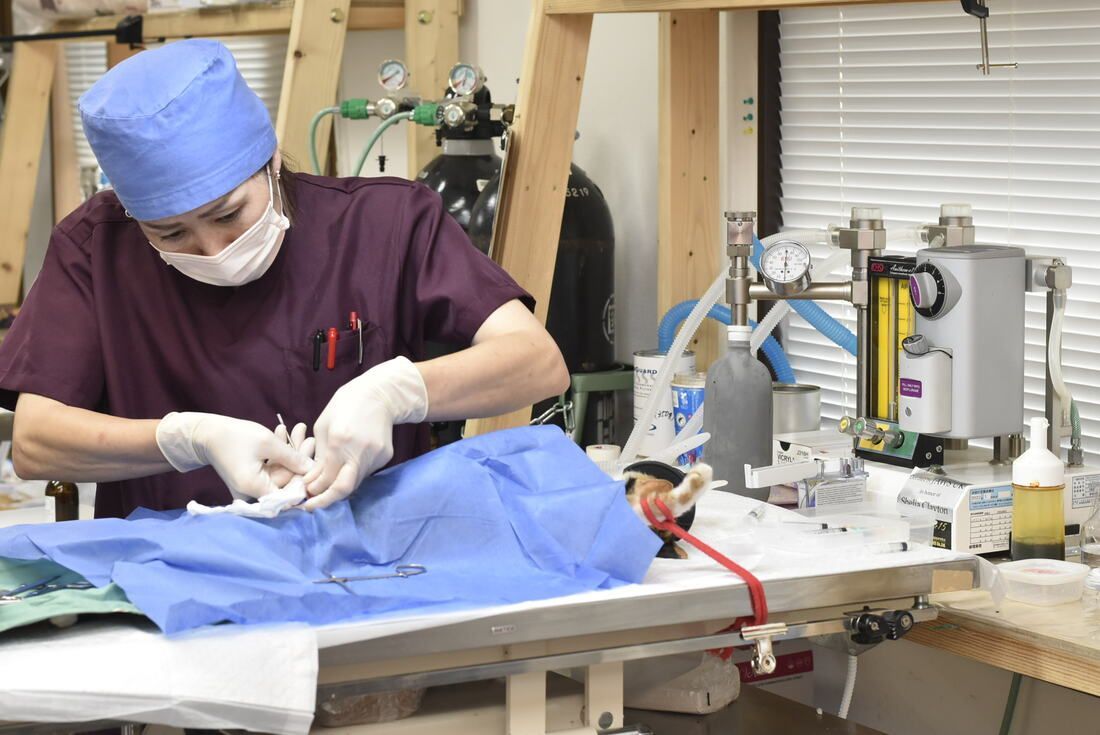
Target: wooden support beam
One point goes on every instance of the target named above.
(741, 97)
(311, 77)
(541, 148)
(1012, 650)
(381, 18)
(119, 52)
(243, 20)
(431, 49)
(689, 224)
(66, 168)
(650, 6)
(23, 133)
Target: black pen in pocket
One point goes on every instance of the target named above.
(318, 343)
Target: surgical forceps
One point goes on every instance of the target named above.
(402, 571)
(41, 587)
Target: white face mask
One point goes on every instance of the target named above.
(243, 260)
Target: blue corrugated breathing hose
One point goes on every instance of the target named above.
(672, 319)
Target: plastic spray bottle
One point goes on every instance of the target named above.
(1038, 486)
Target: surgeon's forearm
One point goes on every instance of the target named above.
(513, 363)
(53, 441)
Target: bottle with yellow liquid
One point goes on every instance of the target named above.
(1038, 516)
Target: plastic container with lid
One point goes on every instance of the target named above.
(1043, 581)
(1091, 597)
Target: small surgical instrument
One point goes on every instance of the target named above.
(402, 571)
(41, 587)
(28, 587)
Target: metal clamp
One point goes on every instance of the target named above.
(763, 657)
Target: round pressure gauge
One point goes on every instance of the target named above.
(785, 267)
(393, 75)
(465, 79)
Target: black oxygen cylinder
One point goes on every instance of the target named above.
(581, 313)
(459, 173)
(468, 161)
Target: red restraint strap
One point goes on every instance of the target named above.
(756, 588)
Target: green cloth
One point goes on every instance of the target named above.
(13, 573)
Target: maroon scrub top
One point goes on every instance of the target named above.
(110, 327)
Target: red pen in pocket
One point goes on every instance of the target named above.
(333, 336)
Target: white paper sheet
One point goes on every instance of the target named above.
(262, 679)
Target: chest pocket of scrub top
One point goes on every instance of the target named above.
(310, 390)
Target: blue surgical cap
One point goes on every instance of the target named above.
(176, 127)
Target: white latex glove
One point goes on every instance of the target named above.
(355, 431)
(238, 450)
(297, 439)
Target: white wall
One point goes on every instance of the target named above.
(618, 126)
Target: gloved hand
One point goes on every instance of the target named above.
(355, 431)
(297, 439)
(238, 450)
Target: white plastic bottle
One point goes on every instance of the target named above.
(1038, 486)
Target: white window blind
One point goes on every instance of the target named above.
(882, 105)
(85, 62)
(261, 60)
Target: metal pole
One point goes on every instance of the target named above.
(1053, 404)
(739, 226)
(863, 364)
(985, 43)
(860, 275)
(838, 291)
(865, 237)
(128, 30)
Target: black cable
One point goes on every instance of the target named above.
(128, 31)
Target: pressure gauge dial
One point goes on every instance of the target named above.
(785, 267)
(393, 75)
(466, 79)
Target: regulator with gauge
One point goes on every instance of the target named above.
(393, 75)
(785, 267)
(465, 79)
